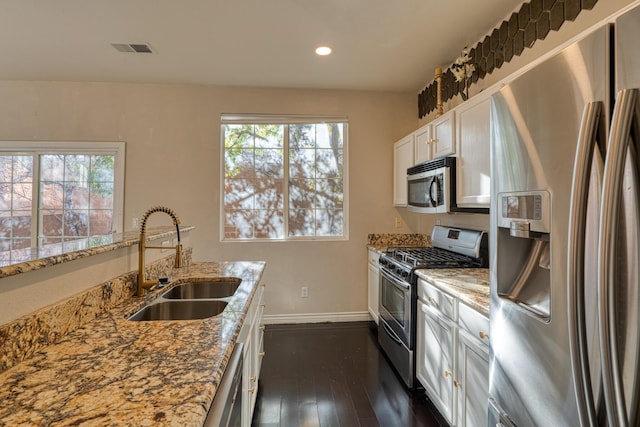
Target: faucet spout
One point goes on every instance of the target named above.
(143, 283)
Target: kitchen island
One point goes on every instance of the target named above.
(112, 371)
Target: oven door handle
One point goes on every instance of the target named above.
(398, 283)
(391, 334)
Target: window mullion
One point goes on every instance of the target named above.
(285, 186)
(35, 201)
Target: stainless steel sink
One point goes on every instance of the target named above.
(205, 289)
(179, 310)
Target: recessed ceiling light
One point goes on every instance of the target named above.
(323, 50)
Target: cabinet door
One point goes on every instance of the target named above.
(423, 144)
(402, 160)
(443, 141)
(248, 384)
(373, 278)
(472, 166)
(434, 358)
(472, 382)
(251, 334)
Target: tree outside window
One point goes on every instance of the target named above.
(57, 192)
(284, 180)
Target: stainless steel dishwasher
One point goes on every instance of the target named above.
(226, 409)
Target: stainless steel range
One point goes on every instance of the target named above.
(451, 248)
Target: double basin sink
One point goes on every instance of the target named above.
(190, 301)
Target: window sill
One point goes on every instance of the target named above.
(50, 255)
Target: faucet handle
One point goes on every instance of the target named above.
(178, 261)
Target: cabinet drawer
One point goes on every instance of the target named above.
(474, 322)
(374, 256)
(433, 297)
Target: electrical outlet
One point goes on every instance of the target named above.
(165, 243)
(135, 223)
(304, 292)
(398, 222)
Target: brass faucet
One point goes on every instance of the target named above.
(143, 283)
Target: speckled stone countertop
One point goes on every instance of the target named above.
(470, 285)
(380, 242)
(112, 371)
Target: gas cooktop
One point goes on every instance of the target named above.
(452, 248)
(430, 257)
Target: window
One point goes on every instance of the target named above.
(54, 192)
(284, 178)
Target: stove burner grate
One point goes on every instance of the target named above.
(433, 258)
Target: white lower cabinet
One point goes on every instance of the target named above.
(373, 284)
(252, 336)
(434, 358)
(472, 381)
(452, 356)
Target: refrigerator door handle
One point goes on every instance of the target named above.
(591, 118)
(625, 121)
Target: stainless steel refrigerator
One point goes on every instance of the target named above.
(564, 237)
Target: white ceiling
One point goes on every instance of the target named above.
(378, 44)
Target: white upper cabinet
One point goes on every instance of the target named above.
(423, 144)
(443, 143)
(435, 139)
(402, 159)
(473, 120)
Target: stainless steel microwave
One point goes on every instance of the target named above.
(429, 186)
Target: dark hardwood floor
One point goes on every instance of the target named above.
(333, 375)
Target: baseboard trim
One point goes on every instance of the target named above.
(278, 319)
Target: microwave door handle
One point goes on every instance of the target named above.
(434, 182)
(589, 125)
(625, 123)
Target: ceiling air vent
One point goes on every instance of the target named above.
(132, 47)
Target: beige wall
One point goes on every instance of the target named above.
(173, 158)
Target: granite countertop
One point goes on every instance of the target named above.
(380, 242)
(112, 371)
(470, 285)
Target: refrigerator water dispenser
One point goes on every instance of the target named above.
(523, 239)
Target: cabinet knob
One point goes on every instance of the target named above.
(456, 383)
(253, 379)
(263, 305)
(483, 335)
(251, 390)
(262, 327)
(262, 353)
(447, 373)
(431, 300)
(263, 285)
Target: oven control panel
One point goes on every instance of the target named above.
(463, 241)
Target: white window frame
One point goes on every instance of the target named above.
(237, 119)
(37, 148)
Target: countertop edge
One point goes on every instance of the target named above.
(470, 286)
